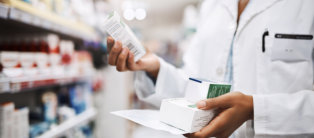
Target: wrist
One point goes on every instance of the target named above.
(153, 70)
(250, 106)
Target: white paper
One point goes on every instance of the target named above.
(148, 118)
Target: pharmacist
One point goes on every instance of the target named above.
(263, 47)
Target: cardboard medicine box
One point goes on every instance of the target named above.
(183, 114)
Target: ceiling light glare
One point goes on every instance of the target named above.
(140, 14)
(129, 14)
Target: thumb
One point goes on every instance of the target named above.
(213, 103)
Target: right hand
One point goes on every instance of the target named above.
(123, 59)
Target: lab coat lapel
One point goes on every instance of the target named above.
(253, 8)
(232, 6)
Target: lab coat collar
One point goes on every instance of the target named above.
(232, 6)
(254, 8)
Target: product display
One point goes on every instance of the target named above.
(50, 51)
(121, 32)
(59, 106)
(45, 57)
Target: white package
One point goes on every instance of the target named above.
(121, 32)
(182, 114)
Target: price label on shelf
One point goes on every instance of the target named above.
(4, 11)
(46, 24)
(4, 86)
(36, 21)
(15, 87)
(14, 14)
(26, 18)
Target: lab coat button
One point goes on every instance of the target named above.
(219, 71)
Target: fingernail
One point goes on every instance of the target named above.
(115, 47)
(109, 39)
(201, 104)
(125, 51)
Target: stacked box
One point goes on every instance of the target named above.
(183, 114)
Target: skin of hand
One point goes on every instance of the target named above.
(123, 59)
(233, 110)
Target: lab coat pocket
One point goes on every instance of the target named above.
(292, 47)
(285, 66)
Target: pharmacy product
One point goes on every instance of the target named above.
(200, 89)
(6, 120)
(121, 32)
(182, 114)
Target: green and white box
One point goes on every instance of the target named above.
(182, 113)
(199, 89)
(120, 31)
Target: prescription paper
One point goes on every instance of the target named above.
(148, 118)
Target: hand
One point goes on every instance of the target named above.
(123, 59)
(233, 110)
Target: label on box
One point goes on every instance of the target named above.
(54, 59)
(120, 31)
(216, 90)
(27, 59)
(41, 60)
(198, 89)
(9, 59)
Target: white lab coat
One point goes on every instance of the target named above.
(282, 90)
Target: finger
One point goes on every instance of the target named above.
(110, 42)
(190, 135)
(114, 53)
(122, 59)
(216, 126)
(131, 63)
(212, 103)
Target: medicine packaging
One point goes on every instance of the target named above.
(121, 32)
(183, 114)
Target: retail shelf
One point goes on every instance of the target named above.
(16, 84)
(4, 11)
(23, 12)
(76, 121)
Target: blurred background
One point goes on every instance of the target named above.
(54, 77)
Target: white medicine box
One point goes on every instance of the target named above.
(183, 114)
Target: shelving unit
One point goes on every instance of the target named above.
(18, 84)
(19, 17)
(76, 121)
(19, 11)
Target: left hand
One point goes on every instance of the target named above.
(234, 109)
